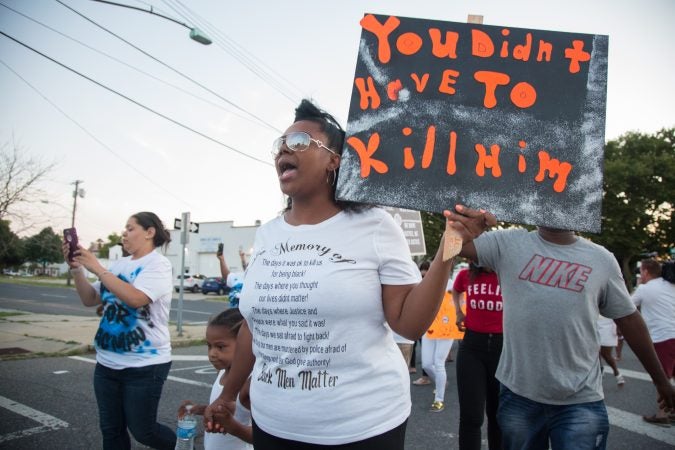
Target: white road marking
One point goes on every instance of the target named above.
(189, 357)
(173, 358)
(633, 422)
(628, 373)
(82, 358)
(172, 378)
(60, 372)
(202, 367)
(186, 381)
(48, 422)
(194, 312)
(53, 295)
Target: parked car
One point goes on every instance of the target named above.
(191, 283)
(215, 284)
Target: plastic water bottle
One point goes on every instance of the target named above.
(186, 430)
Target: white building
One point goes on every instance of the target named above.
(200, 251)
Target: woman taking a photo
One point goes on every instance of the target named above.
(327, 283)
(133, 347)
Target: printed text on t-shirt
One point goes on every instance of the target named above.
(555, 273)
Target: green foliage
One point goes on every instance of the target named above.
(44, 247)
(433, 225)
(11, 247)
(637, 209)
(113, 239)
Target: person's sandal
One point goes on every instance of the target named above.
(421, 381)
(656, 420)
(437, 406)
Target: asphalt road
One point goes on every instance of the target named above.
(197, 308)
(48, 403)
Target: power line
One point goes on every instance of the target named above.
(171, 68)
(185, 91)
(91, 135)
(136, 102)
(241, 54)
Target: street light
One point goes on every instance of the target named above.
(195, 33)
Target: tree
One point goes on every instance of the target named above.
(11, 247)
(20, 175)
(433, 225)
(44, 247)
(637, 209)
(113, 240)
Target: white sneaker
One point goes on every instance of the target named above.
(620, 380)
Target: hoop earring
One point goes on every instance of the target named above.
(334, 171)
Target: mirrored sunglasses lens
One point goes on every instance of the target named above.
(276, 145)
(297, 141)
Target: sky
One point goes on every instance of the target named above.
(210, 153)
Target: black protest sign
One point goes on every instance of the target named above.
(507, 119)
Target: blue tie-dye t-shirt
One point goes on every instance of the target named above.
(136, 337)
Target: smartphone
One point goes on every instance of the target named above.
(70, 236)
(220, 249)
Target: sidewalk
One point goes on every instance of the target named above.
(31, 335)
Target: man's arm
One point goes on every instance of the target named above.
(635, 333)
(224, 269)
(469, 223)
(456, 297)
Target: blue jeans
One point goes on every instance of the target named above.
(129, 398)
(530, 425)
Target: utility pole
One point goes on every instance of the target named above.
(76, 192)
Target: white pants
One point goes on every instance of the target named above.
(434, 353)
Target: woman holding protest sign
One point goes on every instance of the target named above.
(327, 283)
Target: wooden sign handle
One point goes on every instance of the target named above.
(452, 244)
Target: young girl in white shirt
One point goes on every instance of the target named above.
(221, 338)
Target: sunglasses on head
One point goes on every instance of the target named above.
(297, 141)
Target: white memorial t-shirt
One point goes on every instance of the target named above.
(327, 369)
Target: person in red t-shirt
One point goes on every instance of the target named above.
(478, 355)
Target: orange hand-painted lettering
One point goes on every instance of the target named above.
(522, 52)
(449, 78)
(576, 54)
(447, 49)
(505, 45)
(555, 169)
(522, 165)
(523, 95)
(486, 161)
(481, 44)
(409, 43)
(367, 93)
(420, 83)
(429, 147)
(382, 32)
(393, 88)
(365, 154)
(491, 81)
(545, 50)
(451, 167)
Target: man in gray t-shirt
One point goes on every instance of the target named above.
(554, 286)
